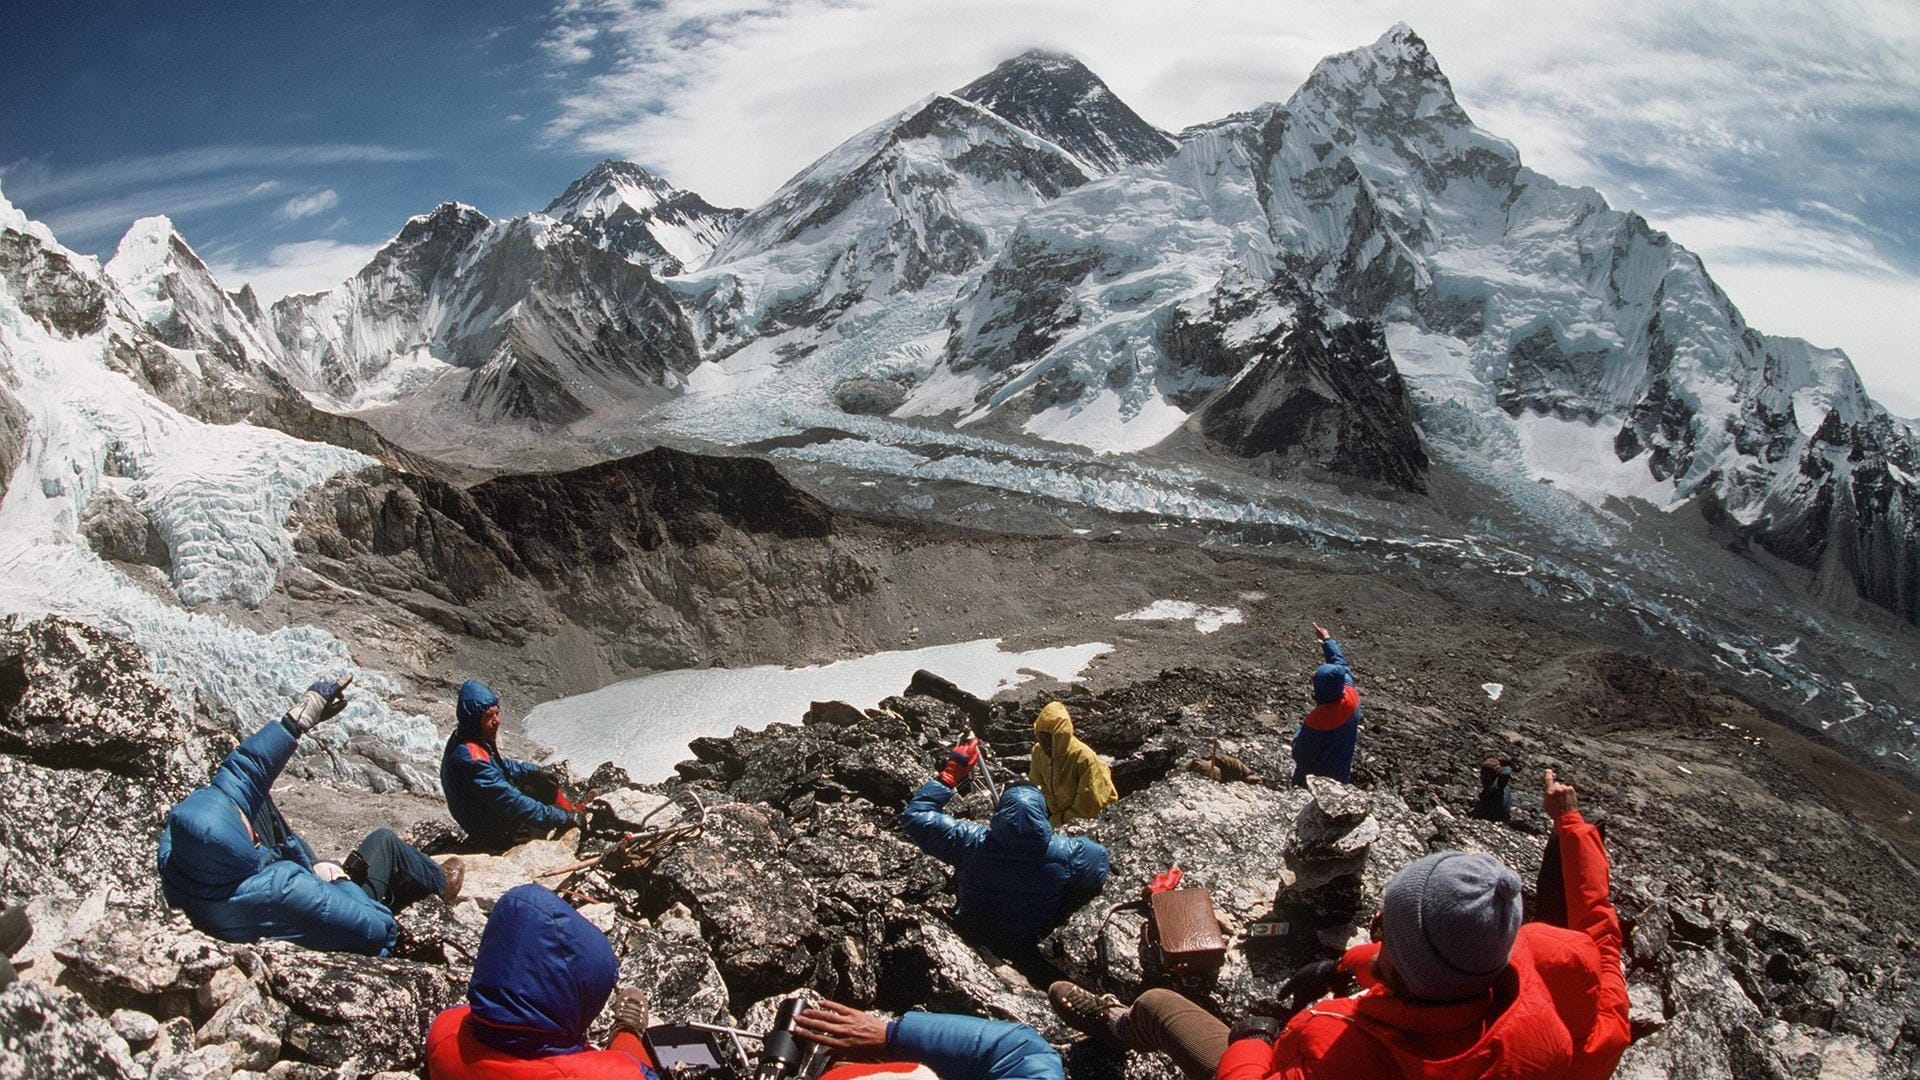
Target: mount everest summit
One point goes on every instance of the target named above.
(1352, 314)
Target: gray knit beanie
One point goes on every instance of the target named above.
(1450, 922)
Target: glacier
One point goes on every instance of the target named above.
(220, 496)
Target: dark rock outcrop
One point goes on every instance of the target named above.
(800, 879)
(1324, 394)
(1056, 97)
(657, 555)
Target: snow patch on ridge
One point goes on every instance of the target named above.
(1578, 458)
(1205, 619)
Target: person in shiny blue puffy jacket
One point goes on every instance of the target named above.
(230, 862)
(488, 793)
(1016, 878)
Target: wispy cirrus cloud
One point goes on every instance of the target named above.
(301, 267)
(314, 202)
(93, 224)
(90, 206)
(43, 180)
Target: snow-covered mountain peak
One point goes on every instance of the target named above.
(1058, 98)
(609, 186)
(1394, 95)
(933, 139)
(151, 248)
(623, 208)
(16, 219)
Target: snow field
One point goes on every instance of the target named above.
(645, 725)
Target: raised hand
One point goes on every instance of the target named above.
(324, 700)
(1560, 798)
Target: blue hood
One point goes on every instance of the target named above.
(1329, 682)
(1020, 820)
(475, 698)
(205, 849)
(543, 973)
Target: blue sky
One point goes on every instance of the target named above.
(288, 139)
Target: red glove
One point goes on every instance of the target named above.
(960, 763)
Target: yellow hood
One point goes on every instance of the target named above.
(1053, 719)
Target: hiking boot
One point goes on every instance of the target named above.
(629, 1011)
(456, 872)
(1085, 1011)
(356, 867)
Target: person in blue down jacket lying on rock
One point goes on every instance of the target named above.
(1016, 878)
(497, 801)
(1323, 745)
(229, 860)
(952, 1047)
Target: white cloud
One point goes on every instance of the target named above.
(42, 180)
(307, 205)
(301, 267)
(1868, 315)
(97, 222)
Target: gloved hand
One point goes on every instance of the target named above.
(1310, 984)
(1256, 1026)
(324, 700)
(329, 871)
(960, 762)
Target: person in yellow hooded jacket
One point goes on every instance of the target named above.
(1076, 782)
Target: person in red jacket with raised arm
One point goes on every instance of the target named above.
(1454, 989)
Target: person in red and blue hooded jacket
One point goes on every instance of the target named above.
(1324, 743)
(492, 796)
(541, 976)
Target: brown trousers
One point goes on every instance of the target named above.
(1167, 1022)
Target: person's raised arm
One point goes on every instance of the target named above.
(939, 834)
(1587, 877)
(247, 774)
(1330, 649)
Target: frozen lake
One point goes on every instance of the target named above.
(644, 724)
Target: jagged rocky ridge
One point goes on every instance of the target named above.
(624, 209)
(663, 558)
(540, 323)
(802, 880)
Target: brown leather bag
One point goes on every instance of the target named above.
(1188, 931)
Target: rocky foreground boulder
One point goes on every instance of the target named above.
(1743, 959)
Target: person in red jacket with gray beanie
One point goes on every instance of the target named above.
(1454, 987)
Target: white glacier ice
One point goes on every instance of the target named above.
(220, 496)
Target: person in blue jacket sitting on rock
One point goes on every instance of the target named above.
(1323, 745)
(1016, 877)
(498, 801)
(229, 860)
(954, 1047)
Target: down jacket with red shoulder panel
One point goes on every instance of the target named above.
(1558, 1011)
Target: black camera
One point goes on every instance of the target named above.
(713, 1052)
